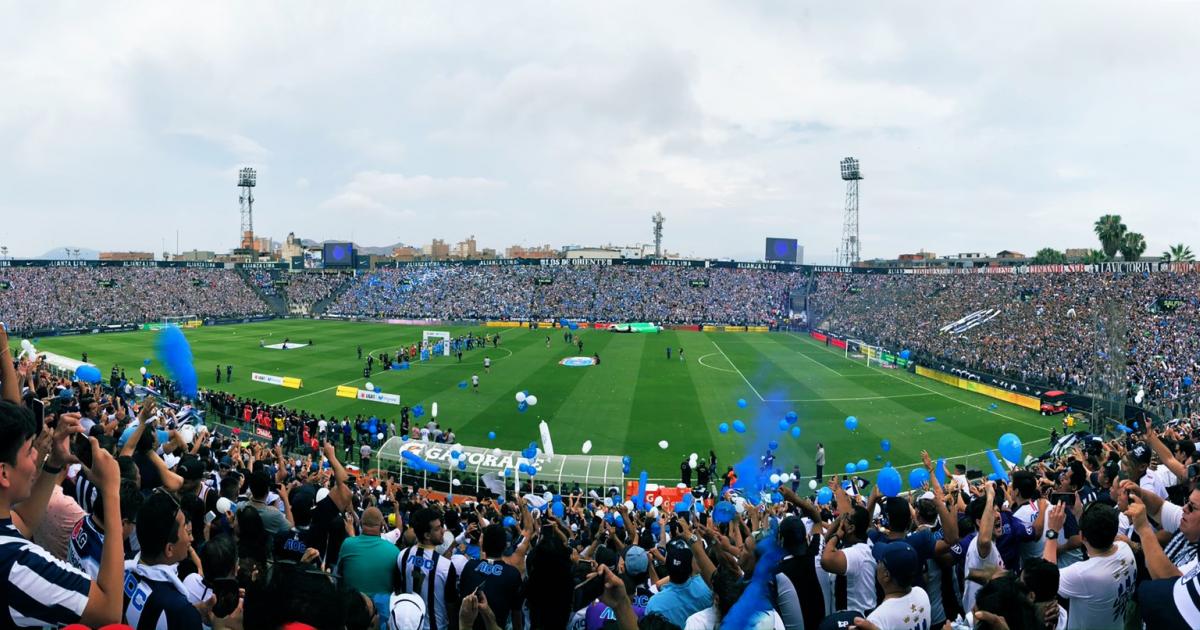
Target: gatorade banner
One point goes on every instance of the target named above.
(282, 381)
(346, 391)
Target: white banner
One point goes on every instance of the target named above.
(266, 378)
(346, 391)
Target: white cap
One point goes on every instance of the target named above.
(406, 612)
(321, 494)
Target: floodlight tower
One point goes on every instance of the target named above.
(658, 220)
(851, 174)
(247, 178)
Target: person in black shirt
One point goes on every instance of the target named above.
(360, 353)
(218, 372)
(499, 581)
(229, 371)
(328, 528)
(685, 472)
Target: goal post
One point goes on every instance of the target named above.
(859, 350)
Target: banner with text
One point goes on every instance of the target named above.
(346, 391)
(282, 381)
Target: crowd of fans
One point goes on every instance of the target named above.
(1051, 329)
(155, 522)
(677, 295)
(39, 298)
(264, 280)
(306, 289)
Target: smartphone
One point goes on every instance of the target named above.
(1065, 498)
(39, 411)
(210, 517)
(1193, 471)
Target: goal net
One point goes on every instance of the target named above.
(863, 351)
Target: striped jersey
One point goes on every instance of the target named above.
(155, 599)
(39, 589)
(434, 578)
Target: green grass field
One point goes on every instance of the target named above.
(625, 406)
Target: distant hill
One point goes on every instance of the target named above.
(60, 253)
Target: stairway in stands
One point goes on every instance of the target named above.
(277, 303)
(321, 305)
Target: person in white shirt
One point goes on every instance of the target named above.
(1101, 588)
(904, 606)
(853, 566)
(981, 553)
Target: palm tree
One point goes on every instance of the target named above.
(1049, 256)
(1178, 253)
(1110, 230)
(1094, 256)
(1133, 245)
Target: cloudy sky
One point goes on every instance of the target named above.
(1005, 127)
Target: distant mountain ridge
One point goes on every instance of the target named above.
(60, 253)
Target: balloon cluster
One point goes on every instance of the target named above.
(419, 463)
(525, 400)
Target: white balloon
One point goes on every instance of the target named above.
(663, 444)
(142, 370)
(370, 386)
(433, 410)
(587, 447)
(187, 432)
(629, 505)
(812, 484)
(496, 451)
(520, 397)
(531, 400)
(379, 436)
(658, 501)
(681, 485)
(455, 482)
(774, 478)
(783, 478)
(693, 457)
(608, 502)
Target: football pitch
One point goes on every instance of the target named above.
(634, 399)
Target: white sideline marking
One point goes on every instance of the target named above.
(851, 399)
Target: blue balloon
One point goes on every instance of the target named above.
(861, 466)
(145, 361)
(1010, 447)
(626, 459)
(930, 419)
(556, 509)
(88, 373)
(888, 481)
(852, 423)
(739, 426)
(522, 406)
(462, 384)
(783, 425)
(886, 445)
(529, 453)
(723, 427)
(917, 477)
(742, 403)
(851, 468)
(939, 472)
(997, 467)
(462, 465)
(905, 354)
(824, 495)
(378, 389)
(491, 435)
(510, 521)
(792, 417)
(773, 445)
(879, 458)
(795, 432)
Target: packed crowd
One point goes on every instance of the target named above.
(40, 298)
(155, 522)
(264, 280)
(680, 295)
(1052, 329)
(306, 289)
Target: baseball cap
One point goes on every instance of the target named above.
(679, 561)
(900, 559)
(190, 468)
(1140, 453)
(637, 561)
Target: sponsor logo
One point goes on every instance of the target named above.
(577, 361)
